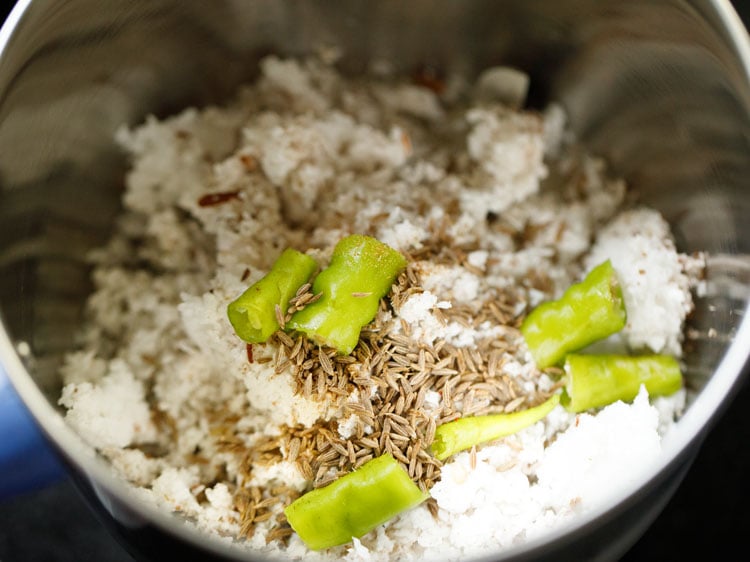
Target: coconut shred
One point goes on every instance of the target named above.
(497, 209)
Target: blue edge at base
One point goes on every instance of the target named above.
(27, 461)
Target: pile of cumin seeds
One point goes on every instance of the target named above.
(384, 386)
(385, 382)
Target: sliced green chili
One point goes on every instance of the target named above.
(456, 436)
(594, 381)
(588, 311)
(361, 272)
(355, 504)
(253, 313)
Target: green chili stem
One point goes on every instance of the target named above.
(355, 504)
(594, 381)
(361, 272)
(253, 313)
(464, 433)
(588, 311)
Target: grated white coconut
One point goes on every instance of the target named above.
(307, 157)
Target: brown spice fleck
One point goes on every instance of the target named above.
(216, 198)
(249, 162)
(429, 77)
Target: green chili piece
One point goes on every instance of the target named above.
(253, 313)
(355, 504)
(598, 380)
(588, 311)
(361, 272)
(456, 436)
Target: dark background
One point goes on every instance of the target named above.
(706, 519)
